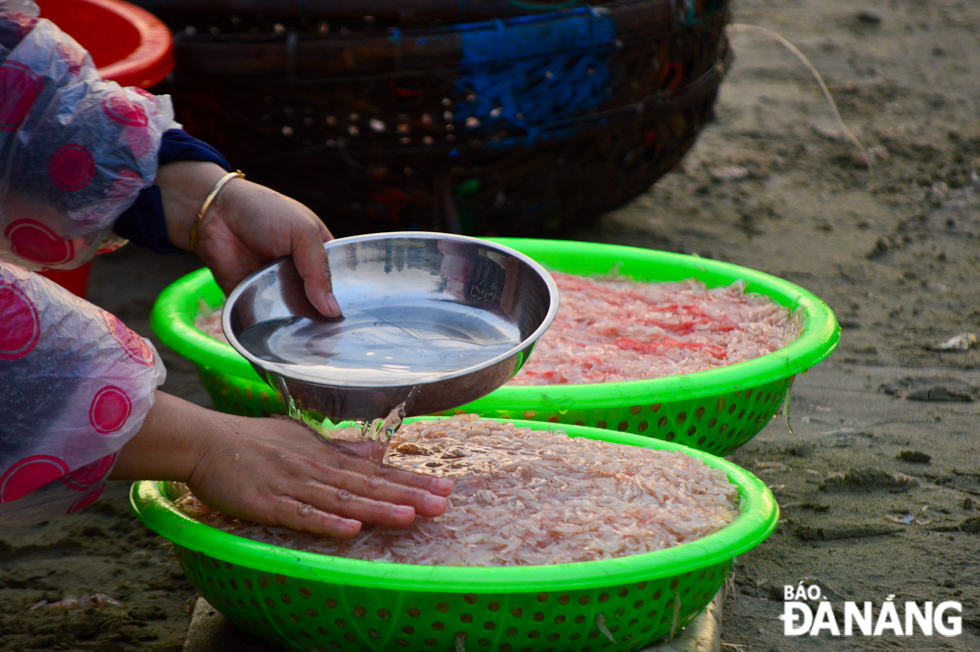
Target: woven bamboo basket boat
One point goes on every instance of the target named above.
(486, 118)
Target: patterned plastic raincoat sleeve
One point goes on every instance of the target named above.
(75, 151)
(75, 386)
(75, 383)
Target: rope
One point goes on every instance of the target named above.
(823, 87)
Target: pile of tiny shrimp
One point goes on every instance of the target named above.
(610, 330)
(526, 497)
(208, 321)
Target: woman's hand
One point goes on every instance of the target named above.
(245, 227)
(274, 471)
(278, 472)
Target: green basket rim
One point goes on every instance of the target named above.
(172, 320)
(758, 518)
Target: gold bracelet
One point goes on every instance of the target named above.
(207, 203)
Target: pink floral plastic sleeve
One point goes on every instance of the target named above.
(75, 386)
(75, 151)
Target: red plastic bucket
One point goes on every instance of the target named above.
(129, 45)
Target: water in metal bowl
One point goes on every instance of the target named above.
(433, 319)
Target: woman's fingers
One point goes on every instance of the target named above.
(335, 499)
(428, 483)
(312, 264)
(378, 488)
(298, 515)
(440, 487)
(330, 507)
(362, 479)
(306, 235)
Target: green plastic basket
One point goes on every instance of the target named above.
(716, 410)
(307, 601)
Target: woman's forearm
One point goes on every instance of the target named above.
(184, 185)
(169, 444)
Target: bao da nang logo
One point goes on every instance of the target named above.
(807, 612)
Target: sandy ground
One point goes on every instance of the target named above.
(772, 185)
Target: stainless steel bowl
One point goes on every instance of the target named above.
(433, 319)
